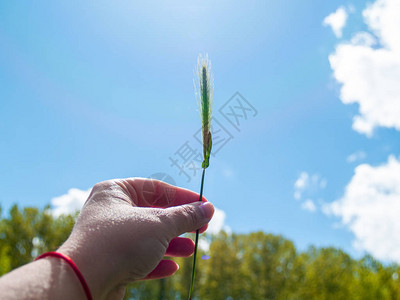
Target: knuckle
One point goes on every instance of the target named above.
(190, 214)
(103, 185)
(100, 190)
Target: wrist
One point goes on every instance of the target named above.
(97, 272)
(47, 278)
(66, 259)
(64, 284)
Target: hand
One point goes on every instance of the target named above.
(125, 229)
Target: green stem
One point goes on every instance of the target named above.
(196, 240)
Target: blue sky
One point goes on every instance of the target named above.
(94, 91)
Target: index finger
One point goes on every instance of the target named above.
(146, 192)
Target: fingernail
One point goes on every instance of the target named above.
(208, 209)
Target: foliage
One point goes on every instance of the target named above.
(241, 266)
(27, 232)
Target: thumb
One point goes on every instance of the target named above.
(189, 217)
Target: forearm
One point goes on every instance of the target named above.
(53, 278)
(47, 278)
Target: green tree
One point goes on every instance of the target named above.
(28, 232)
(182, 278)
(222, 271)
(267, 266)
(161, 289)
(241, 266)
(329, 274)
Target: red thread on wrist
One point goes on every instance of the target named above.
(69, 261)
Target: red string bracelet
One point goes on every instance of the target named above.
(78, 273)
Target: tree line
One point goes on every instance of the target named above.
(257, 265)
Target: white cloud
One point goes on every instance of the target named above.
(363, 39)
(383, 18)
(337, 21)
(302, 182)
(370, 75)
(70, 202)
(370, 209)
(309, 205)
(322, 183)
(356, 156)
(308, 184)
(217, 223)
(204, 243)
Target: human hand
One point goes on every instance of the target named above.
(125, 229)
